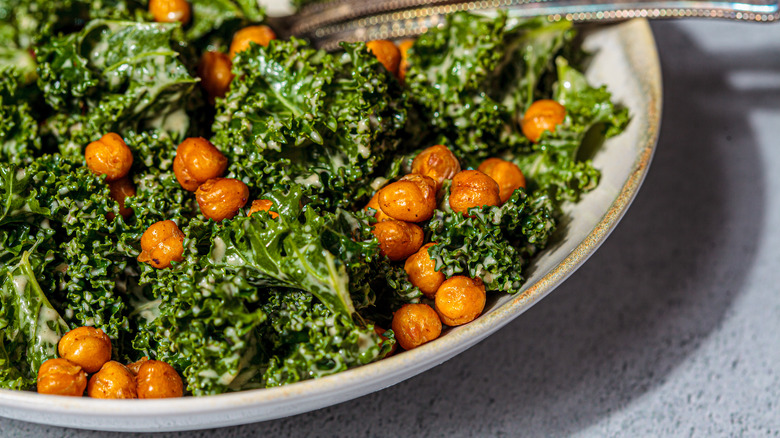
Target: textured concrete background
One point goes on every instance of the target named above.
(671, 329)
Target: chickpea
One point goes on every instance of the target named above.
(61, 377)
(261, 35)
(506, 174)
(156, 379)
(197, 161)
(221, 198)
(460, 300)
(170, 11)
(415, 324)
(262, 205)
(381, 332)
(421, 269)
(398, 240)
(411, 199)
(437, 163)
(113, 380)
(472, 188)
(542, 115)
(136, 366)
(403, 67)
(380, 215)
(387, 53)
(87, 347)
(122, 189)
(161, 244)
(215, 74)
(109, 156)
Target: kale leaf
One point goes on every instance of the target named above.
(114, 76)
(297, 115)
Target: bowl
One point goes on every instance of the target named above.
(625, 59)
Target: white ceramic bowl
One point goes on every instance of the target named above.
(626, 60)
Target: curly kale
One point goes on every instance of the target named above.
(295, 114)
(215, 21)
(554, 164)
(19, 138)
(114, 76)
(491, 243)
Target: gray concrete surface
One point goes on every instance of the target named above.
(671, 329)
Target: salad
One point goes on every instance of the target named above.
(244, 211)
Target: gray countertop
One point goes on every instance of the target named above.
(671, 329)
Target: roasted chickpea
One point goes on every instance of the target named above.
(122, 189)
(403, 67)
(221, 198)
(415, 324)
(506, 174)
(381, 332)
(398, 240)
(61, 377)
(156, 379)
(421, 270)
(109, 156)
(387, 53)
(87, 347)
(460, 300)
(411, 199)
(161, 244)
(437, 163)
(215, 75)
(542, 115)
(472, 188)
(136, 366)
(380, 215)
(261, 35)
(170, 11)
(262, 205)
(113, 380)
(197, 161)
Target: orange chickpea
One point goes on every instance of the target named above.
(403, 67)
(114, 381)
(161, 244)
(197, 161)
(506, 174)
(398, 240)
(380, 215)
(61, 377)
(472, 188)
(214, 71)
(421, 270)
(411, 199)
(261, 35)
(87, 347)
(109, 156)
(381, 332)
(262, 205)
(460, 300)
(170, 11)
(542, 115)
(122, 189)
(221, 198)
(415, 324)
(436, 162)
(387, 53)
(156, 379)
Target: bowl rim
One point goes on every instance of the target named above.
(359, 381)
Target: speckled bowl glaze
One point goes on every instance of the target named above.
(626, 61)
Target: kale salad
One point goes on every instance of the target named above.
(291, 275)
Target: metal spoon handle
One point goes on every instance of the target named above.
(326, 24)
